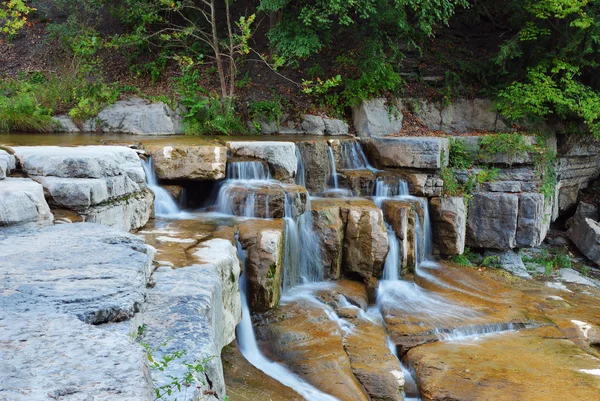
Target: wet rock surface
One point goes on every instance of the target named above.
(263, 199)
(280, 156)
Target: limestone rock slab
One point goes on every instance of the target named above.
(49, 356)
(137, 116)
(178, 162)
(372, 118)
(534, 220)
(22, 202)
(96, 273)
(492, 220)
(7, 163)
(449, 220)
(413, 152)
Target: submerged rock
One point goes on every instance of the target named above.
(22, 202)
(196, 163)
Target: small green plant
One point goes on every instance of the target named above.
(585, 270)
(512, 145)
(272, 271)
(487, 175)
(548, 268)
(460, 156)
(491, 261)
(13, 16)
(562, 261)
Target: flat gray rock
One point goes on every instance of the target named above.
(46, 356)
(93, 272)
(414, 152)
(7, 163)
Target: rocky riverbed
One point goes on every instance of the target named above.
(297, 267)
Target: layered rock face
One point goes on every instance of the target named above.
(352, 235)
(195, 163)
(376, 118)
(103, 184)
(578, 163)
(504, 221)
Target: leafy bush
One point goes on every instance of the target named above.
(460, 156)
(270, 110)
(13, 16)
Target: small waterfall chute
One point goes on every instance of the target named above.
(164, 204)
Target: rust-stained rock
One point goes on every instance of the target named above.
(263, 241)
(360, 182)
(262, 199)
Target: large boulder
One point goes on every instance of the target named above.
(195, 162)
(584, 231)
(280, 156)
(96, 273)
(353, 236)
(263, 242)
(22, 202)
(377, 118)
(48, 356)
(7, 163)
(103, 184)
(413, 152)
(492, 220)
(136, 116)
(449, 221)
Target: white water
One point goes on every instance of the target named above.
(164, 204)
(248, 346)
(300, 170)
(353, 157)
(334, 175)
(247, 170)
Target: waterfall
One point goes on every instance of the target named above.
(248, 346)
(302, 255)
(300, 171)
(333, 169)
(392, 260)
(247, 170)
(164, 204)
(353, 157)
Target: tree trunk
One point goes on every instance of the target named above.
(218, 55)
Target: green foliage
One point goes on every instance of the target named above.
(468, 258)
(549, 260)
(460, 156)
(22, 112)
(211, 116)
(491, 261)
(13, 16)
(486, 175)
(512, 145)
(270, 110)
(193, 373)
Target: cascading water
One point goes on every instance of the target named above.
(333, 169)
(248, 346)
(300, 170)
(247, 170)
(353, 157)
(302, 251)
(164, 204)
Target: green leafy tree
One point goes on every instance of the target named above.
(13, 16)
